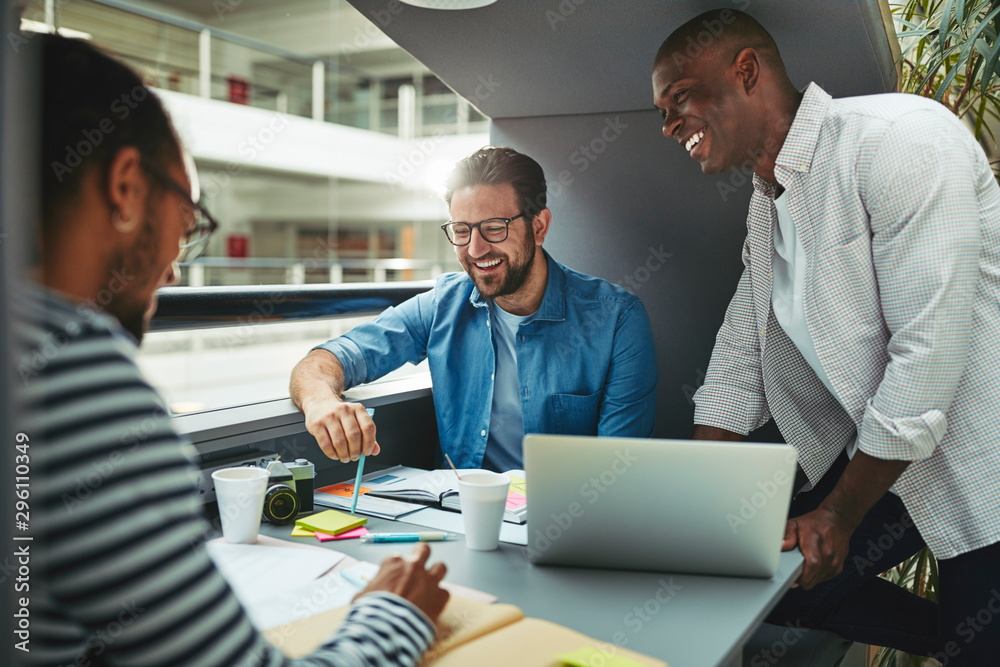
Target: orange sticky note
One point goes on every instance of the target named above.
(343, 489)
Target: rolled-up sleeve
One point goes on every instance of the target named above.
(925, 250)
(397, 336)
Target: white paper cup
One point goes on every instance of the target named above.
(484, 496)
(240, 492)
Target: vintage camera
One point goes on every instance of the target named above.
(289, 491)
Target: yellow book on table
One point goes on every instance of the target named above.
(331, 522)
(474, 633)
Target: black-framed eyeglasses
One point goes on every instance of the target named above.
(493, 230)
(204, 225)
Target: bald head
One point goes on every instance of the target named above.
(719, 34)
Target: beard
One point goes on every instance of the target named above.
(516, 270)
(129, 280)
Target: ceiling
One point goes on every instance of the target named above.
(521, 58)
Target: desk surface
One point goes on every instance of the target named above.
(687, 620)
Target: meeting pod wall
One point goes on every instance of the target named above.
(569, 84)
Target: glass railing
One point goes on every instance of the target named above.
(183, 55)
(212, 348)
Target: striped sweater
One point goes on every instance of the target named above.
(120, 574)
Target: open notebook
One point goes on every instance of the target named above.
(439, 488)
(474, 633)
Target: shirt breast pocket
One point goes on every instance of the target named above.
(576, 414)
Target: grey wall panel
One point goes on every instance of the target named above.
(642, 197)
(520, 58)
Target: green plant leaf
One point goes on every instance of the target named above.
(943, 87)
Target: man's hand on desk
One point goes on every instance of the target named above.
(823, 536)
(407, 578)
(343, 430)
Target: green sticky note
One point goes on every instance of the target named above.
(331, 522)
(589, 655)
(517, 485)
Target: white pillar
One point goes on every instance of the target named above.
(375, 106)
(407, 111)
(319, 91)
(336, 274)
(295, 274)
(205, 63)
(50, 15)
(196, 275)
(462, 121)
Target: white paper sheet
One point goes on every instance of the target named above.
(277, 585)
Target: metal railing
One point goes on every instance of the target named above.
(188, 308)
(295, 268)
(317, 82)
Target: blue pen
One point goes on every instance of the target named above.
(361, 471)
(357, 483)
(435, 536)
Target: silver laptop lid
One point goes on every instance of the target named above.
(662, 505)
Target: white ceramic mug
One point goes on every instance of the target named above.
(484, 498)
(240, 492)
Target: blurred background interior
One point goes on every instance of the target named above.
(321, 147)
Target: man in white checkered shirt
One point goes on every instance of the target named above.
(866, 323)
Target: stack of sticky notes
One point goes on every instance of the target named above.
(330, 525)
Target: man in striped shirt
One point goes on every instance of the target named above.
(866, 323)
(121, 575)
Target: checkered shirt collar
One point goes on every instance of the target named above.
(800, 145)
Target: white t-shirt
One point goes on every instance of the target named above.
(788, 283)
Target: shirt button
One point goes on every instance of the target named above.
(492, 375)
(483, 433)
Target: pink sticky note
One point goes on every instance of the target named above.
(515, 500)
(357, 532)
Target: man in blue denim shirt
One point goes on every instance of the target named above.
(517, 344)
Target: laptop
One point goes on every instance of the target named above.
(692, 506)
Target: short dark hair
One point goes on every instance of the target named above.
(499, 165)
(92, 107)
(724, 28)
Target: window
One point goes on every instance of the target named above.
(300, 158)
